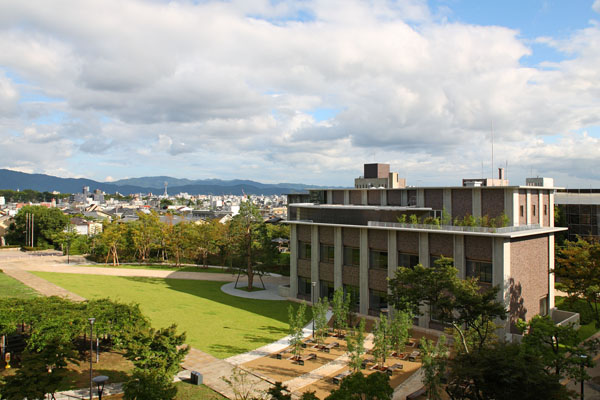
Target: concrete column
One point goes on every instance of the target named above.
(424, 249)
(476, 199)
(293, 260)
(447, 201)
(459, 256)
(384, 197)
(551, 274)
(540, 208)
(551, 209)
(528, 208)
(315, 258)
(338, 259)
(501, 276)
(364, 271)
(420, 197)
(329, 197)
(392, 254)
(515, 202)
(346, 197)
(364, 197)
(509, 206)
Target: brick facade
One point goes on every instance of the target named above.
(304, 268)
(326, 235)
(462, 203)
(394, 197)
(441, 245)
(478, 248)
(326, 272)
(378, 239)
(492, 202)
(351, 237)
(378, 280)
(407, 242)
(350, 275)
(337, 197)
(434, 198)
(374, 197)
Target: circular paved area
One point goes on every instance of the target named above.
(270, 293)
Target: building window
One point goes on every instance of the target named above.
(544, 306)
(327, 253)
(378, 302)
(521, 211)
(304, 288)
(407, 260)
(481, 270)
(304, 250)
(545, 209)
(354, 293)
(326, 290)
(378, 259)
(534, 210)
(351, 256)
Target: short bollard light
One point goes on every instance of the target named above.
(100, 380)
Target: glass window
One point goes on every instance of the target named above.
(377, 301)
(378, 259)
(534, 210)
(327, 253)
(304, 286)
(544, 306)
(304, 250)
(351, 256)
(481, 270)
(354, 293)
(521, 210)
(545, 209)
(326, 290)
(407, 260)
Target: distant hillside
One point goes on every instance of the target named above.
(158, 182)
(14, 180)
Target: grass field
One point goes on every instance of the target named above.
(217, 323)
(10, 287)
(160, 267)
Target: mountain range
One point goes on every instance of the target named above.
(14, 180)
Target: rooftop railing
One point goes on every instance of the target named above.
(478, 229)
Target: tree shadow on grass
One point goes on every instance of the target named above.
(81, 379)
(226, 348)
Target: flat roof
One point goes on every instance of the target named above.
(360, 207)
(448, 187)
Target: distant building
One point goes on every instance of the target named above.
(86, 197)
(379, 176)
(85, 227)
(581, 210)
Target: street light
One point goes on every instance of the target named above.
(314, 284)
(583, 360)
(92, 320)
(100, 380)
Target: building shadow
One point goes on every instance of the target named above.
(516, 307)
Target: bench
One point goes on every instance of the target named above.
(339, 377)
(279, 355)
(390, 370)
(415, 395)
(330, 346)
(413, 356)
(311, 356)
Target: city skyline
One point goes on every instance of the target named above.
(301, 91)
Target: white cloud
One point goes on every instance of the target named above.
(596, 6)
(184, 89)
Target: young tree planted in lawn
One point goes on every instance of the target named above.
(340, 308)
(356, 346)
(240, 384)
(381, 341)
(246, 228)
(279, 392)
(319, 312)
(297, 320)
(434, 363)
(112, 239)
(578, 266)
(400, 323)
(145, 234)
(149, 384)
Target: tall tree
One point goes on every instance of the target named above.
(381, 341)
(434, 363)
(358, 387)
(578, 266)
(246, 227)
(399, 330)
(145, 234)
(356, 346)
(297, 320)
(113, 240)
(47, 222)
(319, 312)
(340, 308)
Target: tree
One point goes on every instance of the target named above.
(65, 238)
(47, 223)
(381, 341)
(113, 240)
(178, 240)
(356, 346)
(502, 372)
(558, 346)
(399, 330)
(145, 234)
(434, 361)
(376, 386)
(277, 392)
(296, 321)
(578, 266)
(247, 227)
(240, 384)
(319, 312)
(469, 308)
(149, 384)
(340, 308)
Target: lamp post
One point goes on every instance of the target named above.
(314, 284)
(92, 320)
(100, 380)
(583, 360)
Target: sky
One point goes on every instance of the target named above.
(301, 91)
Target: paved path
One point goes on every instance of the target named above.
(270, 292)
(40, 285)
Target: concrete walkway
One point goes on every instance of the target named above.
(270, 292)
(41, 285)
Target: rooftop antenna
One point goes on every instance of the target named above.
(506, 171)
(492, 149)
(166, 184)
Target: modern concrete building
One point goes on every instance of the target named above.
(352, 239)
(379, 176)
(581, 209)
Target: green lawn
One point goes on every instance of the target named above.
(160, 267)
(10, 287)
(215, 322)
(587, 324)
(187, 391)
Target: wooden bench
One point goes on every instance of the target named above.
(327, 348)
(279, 355)
(395, 367)
(311, 356)
(339, 377)
(413, 356)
